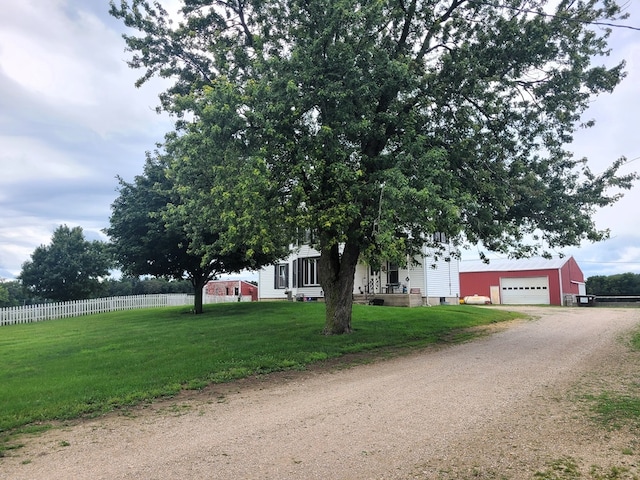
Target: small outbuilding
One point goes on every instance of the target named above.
(231, 289)
(533, 281)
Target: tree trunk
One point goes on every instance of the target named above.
(198, 286)
(337, 274)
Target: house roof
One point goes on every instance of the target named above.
(510, 264)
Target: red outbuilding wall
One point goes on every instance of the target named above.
(562, 281)
(572, 277)
(231, 287)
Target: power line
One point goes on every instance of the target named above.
(601, 262)
(614, 25)
(550, 15)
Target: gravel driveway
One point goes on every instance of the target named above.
(501, 406)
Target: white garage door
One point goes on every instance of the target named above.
(525, 290)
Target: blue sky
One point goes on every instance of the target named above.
(71, 120)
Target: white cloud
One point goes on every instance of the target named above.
(630, 255)
(76, 65)
(22, 158)
(40, 57)
(19, 241)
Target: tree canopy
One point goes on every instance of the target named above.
(69, 268)
(149, 229)
(377, 123)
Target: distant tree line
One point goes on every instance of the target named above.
(145, 286)
(12, 293)
(621, 284)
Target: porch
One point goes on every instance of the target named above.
(390, 299)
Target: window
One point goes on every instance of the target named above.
(309, 237)
(281, 279)
(393, 277)
(440, 237)
(305, 272)
(309, 272)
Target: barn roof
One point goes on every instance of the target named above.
(511, 264)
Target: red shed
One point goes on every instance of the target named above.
(228, 288)
(537, 281)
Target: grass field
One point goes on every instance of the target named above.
(67, 368)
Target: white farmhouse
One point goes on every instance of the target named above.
(430, 282)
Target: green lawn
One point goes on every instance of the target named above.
(66, 368)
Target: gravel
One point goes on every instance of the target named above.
(505, 405)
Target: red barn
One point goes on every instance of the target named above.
(536, 281)
(231, 288)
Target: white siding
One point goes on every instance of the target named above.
(442, 275)
(266, 284)
(416, 277)
(314, 292)
(266, 277)
(362, 279)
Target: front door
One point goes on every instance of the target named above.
(494, 292)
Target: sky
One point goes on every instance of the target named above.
(71, 121)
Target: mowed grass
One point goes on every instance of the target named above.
(67, 368)
(620, 406)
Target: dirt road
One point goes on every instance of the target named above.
(502, 406)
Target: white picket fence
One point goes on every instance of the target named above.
(51, 311)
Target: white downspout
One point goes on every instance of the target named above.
(424, 269)
(409, 270)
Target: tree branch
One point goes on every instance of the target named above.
(432, 31)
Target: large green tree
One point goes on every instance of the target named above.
(379, 122)
(149, 228)
(69, 268)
